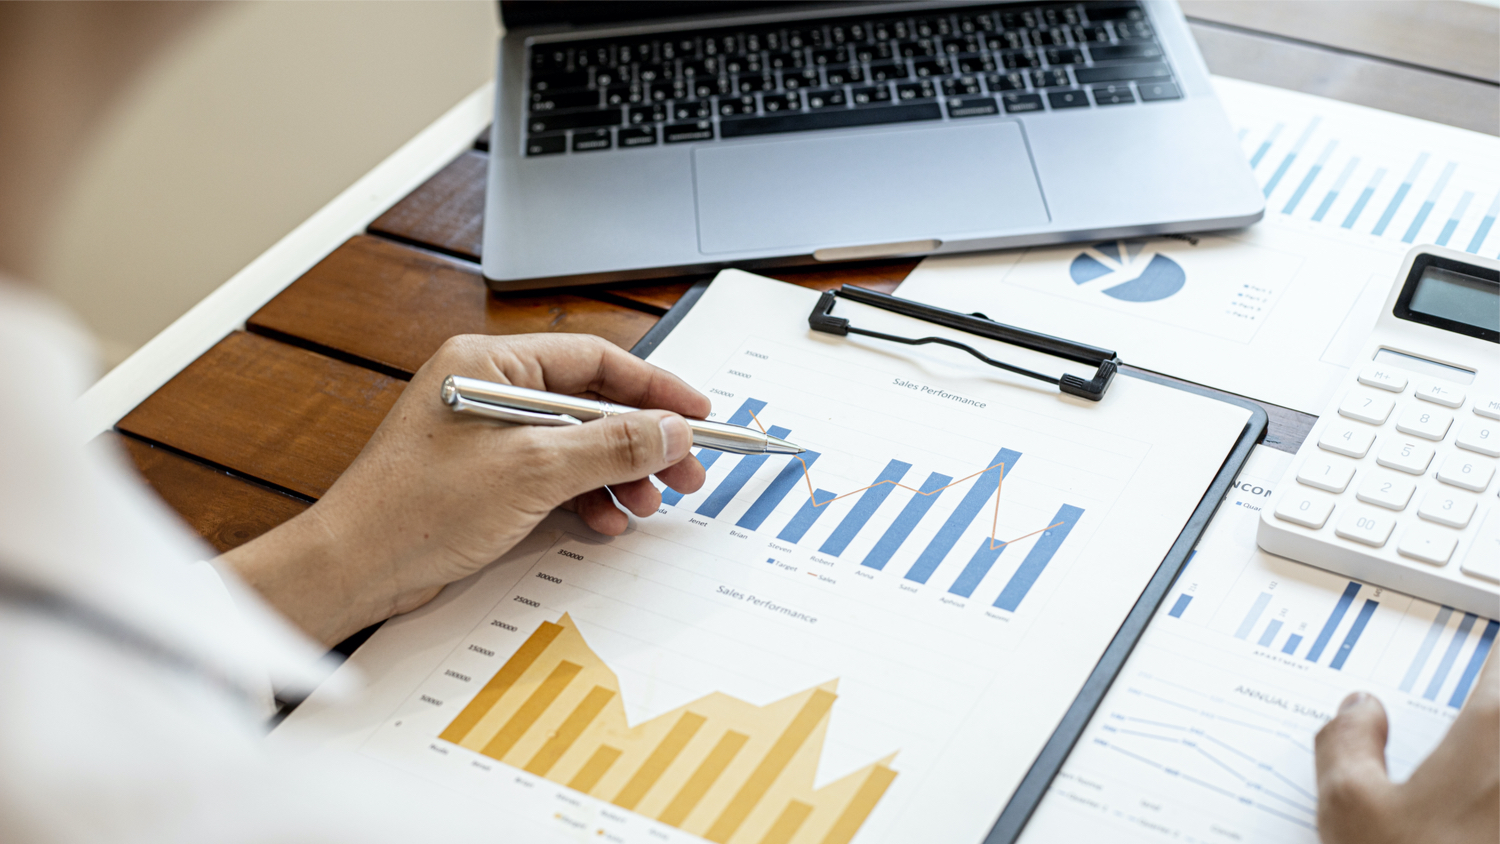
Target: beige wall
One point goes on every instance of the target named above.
(248, 119)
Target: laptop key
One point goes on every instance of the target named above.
(677, 133)
(831, 119)
(1049, 79)
(708, 86)
(692, 110)
(880, 51)
(1112, 94)
(546, 144)
(833, 98)
(667, 89)
(882, 71)
(1117, 52)
(1009, 40)
(1067, 99)
(646, 114)
(590, 140)
(844, 75)
(795, 79)
(972, 106)
(923, 68)
(730, 106)
(1001, 82)
(624, 95)
(1067, 55)
(923, 90)
(574, 120)
(1115, 13)
(871, 95)
(1090, 32)
(751, 83)
(781, 102)
(1134, 30)
(560, 81)
(831, 55)
(1021, 59)
(1048, 37)
(1021, 103)
(1156, 91)
(637, 136)
(920, 48)
(979, 63)
(962, 86)
(1121, 72)
(549, 101)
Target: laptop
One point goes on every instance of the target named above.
(639, 140)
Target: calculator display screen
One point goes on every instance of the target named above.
(1452, 295)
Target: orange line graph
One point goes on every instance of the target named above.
(995, 542)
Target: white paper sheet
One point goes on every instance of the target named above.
(1207, 734)
(1277, 311)
(951, 663)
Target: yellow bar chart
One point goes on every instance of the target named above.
(719, 767)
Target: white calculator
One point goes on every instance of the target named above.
(1396, 484)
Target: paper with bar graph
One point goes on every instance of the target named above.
(867, 642)
(1207, 734)
(1277, 311)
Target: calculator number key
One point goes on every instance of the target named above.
(1406, 456)
(1439, 394)
(1483, 437)
(1447, 508)
(1466, 472)
(1367, 407)
(1322, 473)
(1428, 543)
(1382, 378)
(1488, 406)
(1426, 422)
(1308, 509)
(1366, 526)
(1483, 557)
(1347, 440)
(1386, 490)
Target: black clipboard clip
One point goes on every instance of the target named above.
(1107, 362)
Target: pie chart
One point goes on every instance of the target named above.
(1128, 270)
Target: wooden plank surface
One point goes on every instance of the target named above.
(446, 213)
(268, 410)
(394, 305)
(226, 510)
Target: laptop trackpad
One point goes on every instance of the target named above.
(817, 191)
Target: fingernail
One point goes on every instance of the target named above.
(676, 438)
(1352, 701)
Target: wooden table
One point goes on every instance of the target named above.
(255, 429)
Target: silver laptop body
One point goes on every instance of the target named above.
(647, 148)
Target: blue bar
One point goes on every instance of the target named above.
(1455, 645)
(1365, 611)
(979, 566)
(1432, 197)
(1270, 635)
(1265, 145)
(1479, 235)
(864, 508)
(1454, 218)
(1364, 196)
(811, 509)
(985, 485)
(708, 456)
(1286, 163)
(1338, 187)
(1292, 642)
(1419, 661)
(774, 494)
(736, 479)
(1182, 604)
(1312, 173)
(1261, 602)
(1481, 650)
(1333, 621)
(1036, 561)
(1390, 210)
(906, 522)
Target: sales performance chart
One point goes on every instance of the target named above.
(1207, 735)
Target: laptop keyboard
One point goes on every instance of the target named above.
(705, 85)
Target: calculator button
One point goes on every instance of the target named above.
(1308, 509)
(1367, 407)
(1406, 455)
(1472, 473)
(1424, 421)
(1347, 440)
(1366, 526)
(1330, 475)
(1428, 543)
(1385, 379)
(1439, 394)
(1489, 406)
(1387, 490)
(1453, 509)
(1482, 437)
(1483, 557)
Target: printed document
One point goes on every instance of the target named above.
(868, 642)
(1276, 311)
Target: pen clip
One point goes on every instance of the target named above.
(510, 414)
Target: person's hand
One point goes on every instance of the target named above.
(435, 496)
(1452, 798)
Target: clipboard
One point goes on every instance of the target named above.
(1033, 786)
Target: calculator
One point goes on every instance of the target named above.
(1396, 484)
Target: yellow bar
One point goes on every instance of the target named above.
(860, 805)
(775, 761)
(666, 751)
(583, 714)
(787, 823)
(702, 779)
(499, 684)
(531, 710)
(588, 776)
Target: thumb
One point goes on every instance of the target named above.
(1351, 757)
(615, 450)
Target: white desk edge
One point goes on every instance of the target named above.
(227, 307)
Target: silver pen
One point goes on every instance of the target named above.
(521, 406)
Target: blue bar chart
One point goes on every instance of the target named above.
(1461, 648)
(1180, 605)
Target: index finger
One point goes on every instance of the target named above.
(578, 363)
